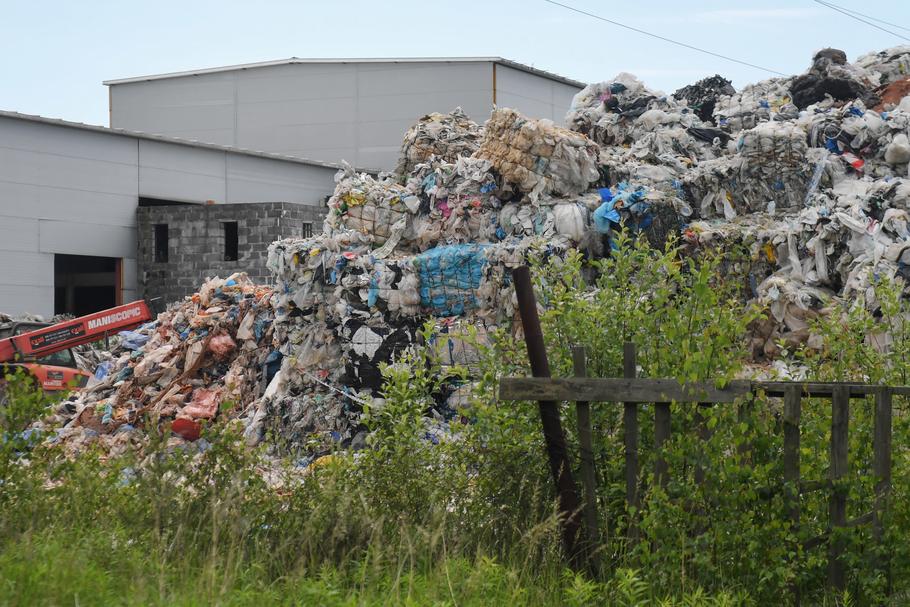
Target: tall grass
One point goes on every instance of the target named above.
(469, 521)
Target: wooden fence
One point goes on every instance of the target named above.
(632, 392)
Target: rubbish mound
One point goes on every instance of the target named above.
(445, 136)
(702, 96)
(199, 359)
(800, 172)
(537, 156)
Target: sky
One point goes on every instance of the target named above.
(55, 55)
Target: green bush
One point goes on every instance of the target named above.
(472, 519)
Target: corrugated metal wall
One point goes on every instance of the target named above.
(357, 112)
(72, 191)
(532, 95)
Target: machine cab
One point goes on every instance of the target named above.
(56, 371)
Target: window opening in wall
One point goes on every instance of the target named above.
(231, 243)
(161, 242)
(307, 230)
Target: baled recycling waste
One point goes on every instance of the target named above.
(809, 174)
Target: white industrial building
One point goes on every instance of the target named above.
(354, 110)
(70, 192)
(69, 195)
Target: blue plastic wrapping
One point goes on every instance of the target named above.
(449, 277)
(102, 370)
(133, 340)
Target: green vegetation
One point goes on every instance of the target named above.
(471, 520)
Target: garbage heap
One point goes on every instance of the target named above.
(437, 245)
(807, 174)
(203, 357)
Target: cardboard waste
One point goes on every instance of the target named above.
(802, 173)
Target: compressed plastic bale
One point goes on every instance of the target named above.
(445, 136)
(449, 277)
(898, 151)
(520, 150)
(571, 219)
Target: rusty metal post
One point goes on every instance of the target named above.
(554, 438)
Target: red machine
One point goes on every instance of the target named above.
(44, 349)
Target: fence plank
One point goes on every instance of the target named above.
(792, 414)
(630, 438)
(583, 415)
(661, 436)
(881, 464)
(554, 438)
(613, 389)
(704, 433)
(837, 505)
(825, 389)
(743, 413)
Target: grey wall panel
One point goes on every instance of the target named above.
(252, 117)
(129, 278)
(49, 170)
(331, 140)
(182, 173)
(26, 269)
(66, 142)
(284, 83)
(74, 238)
(251, 179)
(54, 172)
(201, 104)
(18, 234)
(22, 200)
(532, 95)
(18, 300)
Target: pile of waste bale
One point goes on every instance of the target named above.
(202, 358)
(808, 175)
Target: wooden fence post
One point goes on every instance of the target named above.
(661, 436)
(837, 505)
(630, 439)
(881, 446)
(792, 414)
(704, 433)
(583, 414)
(554, 438)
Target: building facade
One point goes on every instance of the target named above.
(331, 110)
(181, 245)
(69, 195)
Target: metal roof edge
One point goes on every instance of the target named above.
(173, 140)
(299, 60)
(539, 72)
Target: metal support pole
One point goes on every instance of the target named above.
(554, 438)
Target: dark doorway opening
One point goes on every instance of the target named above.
(84, 284)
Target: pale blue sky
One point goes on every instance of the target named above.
(54, 55)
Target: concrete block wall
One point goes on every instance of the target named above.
(196, 243)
